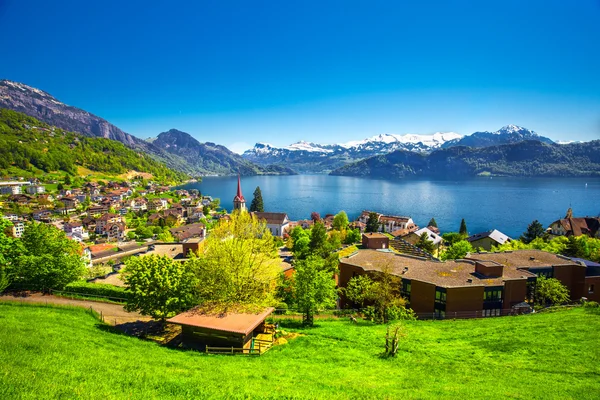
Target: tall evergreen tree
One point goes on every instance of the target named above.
(534, 230)
(432, 223)
(463, 228)
(425, 244)
(372, 223)
(257, 204)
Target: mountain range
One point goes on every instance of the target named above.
(307, 157)
(511, 150)
(189, 156)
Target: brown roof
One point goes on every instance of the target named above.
(188, 231)
(271, 217)
(522, 258)
(445, 274)
(375, 235)
(107, 216)
(238, 323)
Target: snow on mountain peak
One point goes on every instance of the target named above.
(512, 129)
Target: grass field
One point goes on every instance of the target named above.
(49, 352)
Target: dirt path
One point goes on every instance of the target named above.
(113, 314)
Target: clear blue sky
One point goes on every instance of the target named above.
(237, 73)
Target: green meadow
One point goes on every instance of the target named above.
(53, 352)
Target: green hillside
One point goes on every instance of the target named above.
(29, 147)
(49, 352)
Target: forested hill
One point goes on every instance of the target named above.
(30, 145)
(526, 158)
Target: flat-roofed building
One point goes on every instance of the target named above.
(457, 289)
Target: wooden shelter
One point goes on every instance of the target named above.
(237, 331)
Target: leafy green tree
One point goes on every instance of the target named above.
(453, 237)
(300, 242)
(432, 222)
(457, 250)
(388, 302)
(463, 228)
(340, 221)
(318, 239)
(352, 236)
(68, 179)
(159, 286)
(576, 247)
(550, 291)
(372, 223)
(257, 204)
(534, 231)
(314, 288)
(50, 260)
(425, 244)
(239, 263)
(166, 236)
(360, 290)
(10, 249)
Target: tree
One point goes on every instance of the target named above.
(239, 264)
(534, 230)
(432, 222)
(352, 236)
(159, 286)
(359, 290)
(453, 237)
(457, 250)
(425, 244)
(314, 288)
(300, 242)
(315, 216)
(68, 180)
(166, 236)
(549, 291)
(388, 302)
(10, 249)
(463, 228)
(373, 222)
(340, 221)
(318, 239)
(49, 260)
(257, 202)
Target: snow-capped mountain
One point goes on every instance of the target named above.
(314, 157)
(308, 157)
(506, 134)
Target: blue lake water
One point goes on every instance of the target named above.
(506, 204)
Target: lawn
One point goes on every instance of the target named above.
(49, 352)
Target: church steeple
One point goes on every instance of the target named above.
(239, 203)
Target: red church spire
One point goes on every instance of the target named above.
(239, 196)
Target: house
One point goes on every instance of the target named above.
(70, 202)
(570, 226)
(190, 231)
(139, 204)
(89, 223)
(115, 231)
(94, 210)
(373, 240)
(486, 240)
(35, 189)
(105, 220)
(390, 223)
(158, 204)
(21, 199)
(414, 237)
(41, 215)
(75, 230)
(277, 223)
(18, 228)
(235, 330)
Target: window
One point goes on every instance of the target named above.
(405, 289)
(441, 314)
(492, 294)
(493, 312)
(591, 289)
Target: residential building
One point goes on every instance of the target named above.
(35, 189)
(571, 226)
(41, 215)
(18, 228)
(105, 220)
(373, 240)
(481, 285)
(486, 240)
(277, 223)
(10, 187)
(75, 230)
(397, 225)
(185, 232)
(414, 237)
(115, 231)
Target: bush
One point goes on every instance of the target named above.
(281, 308)
(97, 289)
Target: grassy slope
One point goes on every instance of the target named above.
(51, 352)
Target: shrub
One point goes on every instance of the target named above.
(97, 289)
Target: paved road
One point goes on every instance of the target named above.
(113, 314)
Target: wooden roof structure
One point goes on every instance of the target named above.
(242, 323)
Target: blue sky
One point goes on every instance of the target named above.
(239, 72)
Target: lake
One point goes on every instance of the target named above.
(506, 204)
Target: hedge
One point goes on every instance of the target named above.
(97, 289)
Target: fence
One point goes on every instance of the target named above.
(91, 296)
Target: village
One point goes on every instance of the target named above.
(116, 221)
